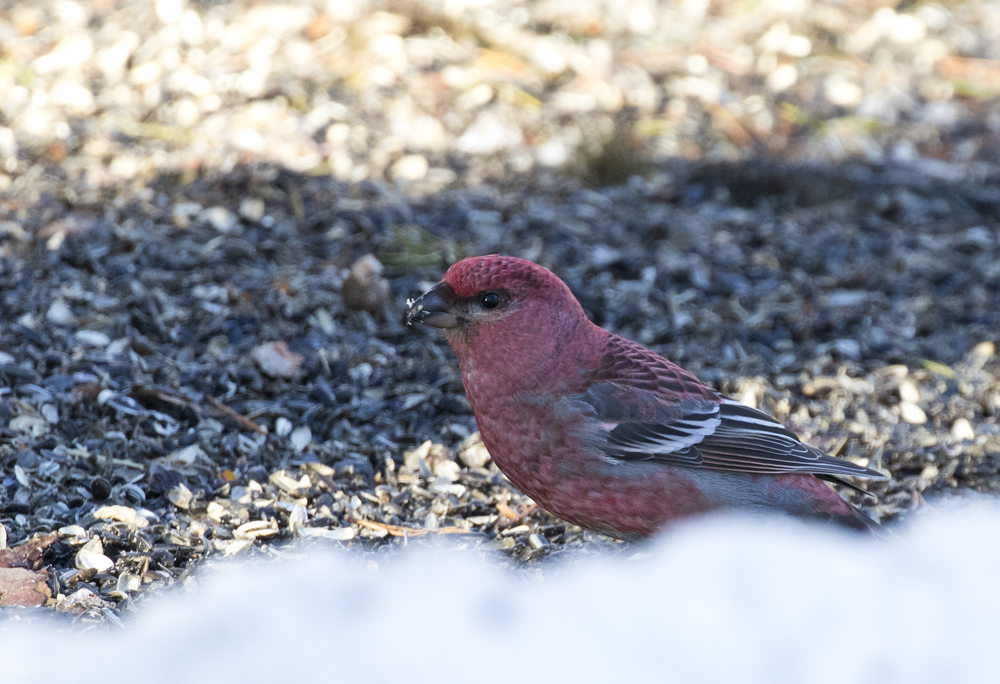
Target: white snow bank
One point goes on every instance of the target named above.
(719, 600)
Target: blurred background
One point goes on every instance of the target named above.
(438, 93)
(212, 214)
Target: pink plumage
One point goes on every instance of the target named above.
(604, 432)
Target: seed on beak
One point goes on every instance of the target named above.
(433, 308)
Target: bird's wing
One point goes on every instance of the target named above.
(642, 407)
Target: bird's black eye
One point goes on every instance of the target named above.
(491, 300)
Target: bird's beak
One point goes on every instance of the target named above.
(433, 308)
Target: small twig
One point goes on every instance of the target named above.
(515, 516)
(241, 419)
(400, 531)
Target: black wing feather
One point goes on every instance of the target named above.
(732, 437)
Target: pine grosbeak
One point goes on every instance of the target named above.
(603, 432)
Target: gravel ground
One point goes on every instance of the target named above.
(213, 214)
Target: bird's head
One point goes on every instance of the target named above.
(504, 295)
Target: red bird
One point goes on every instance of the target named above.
(603, 432)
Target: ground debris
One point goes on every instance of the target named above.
(204, 266)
